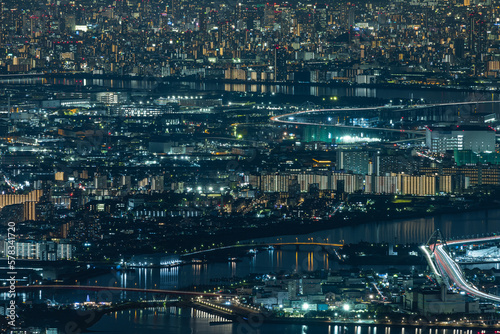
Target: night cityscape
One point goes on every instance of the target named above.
(250, 167)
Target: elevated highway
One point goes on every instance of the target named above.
(435, 112)
(289, 118)
(447, 271)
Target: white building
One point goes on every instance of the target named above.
(461, 137)
(41, 250)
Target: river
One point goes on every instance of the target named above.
(268, 261)
(264, 262)
(192, 87)
(416, 230)
(288, 259)
(156, 321)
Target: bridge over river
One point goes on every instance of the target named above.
(224, 307)
(265, 244)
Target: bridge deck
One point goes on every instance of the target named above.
(119, 289)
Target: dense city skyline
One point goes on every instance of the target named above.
(431, 43)
(252, 165)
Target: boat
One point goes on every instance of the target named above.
(252, 251)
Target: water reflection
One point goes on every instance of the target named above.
(169, 277)
(296, 261)
(265, 261)
(305, 258)
(310, 261)
(232, 265)
(286, 258)
(174, 320)
(408, 231)
(296, 89)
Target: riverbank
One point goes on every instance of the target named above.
(365, 323)
(490, 87)
(217, 232)
(163, 321)
(304, 227)
(76, 320)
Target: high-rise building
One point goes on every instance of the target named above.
(101, 182)
(381, 184)
(321, 15)
(42, 250)
(28, 200)
(476, 33)
(355, 161)
(269, 16)
(417, 185)
(158, 183)
(202, 20)
(459, 47)
(463, 137)
(280, 63)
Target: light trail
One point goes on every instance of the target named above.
(279, 118)
(454, 272)
(297, 113)
(429, 260)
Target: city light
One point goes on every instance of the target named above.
(356, 139)
(190, 160)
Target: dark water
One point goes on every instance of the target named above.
(161, 321)
(286, 259)
(408, 230)
(146, 84)
(266, 261)
(306, 259)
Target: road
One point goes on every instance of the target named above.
(289, 118)
(454, 272)
(118, 289)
